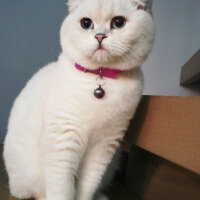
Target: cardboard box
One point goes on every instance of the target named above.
(169, 127)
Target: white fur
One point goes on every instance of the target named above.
(60, 138)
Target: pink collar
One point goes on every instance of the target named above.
(105, 72)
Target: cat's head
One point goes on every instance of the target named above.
(110, 33)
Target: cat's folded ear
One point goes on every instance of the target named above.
(142, 4)
(72, 5)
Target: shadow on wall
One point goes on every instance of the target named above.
(195, 87)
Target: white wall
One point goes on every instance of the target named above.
(177, 39)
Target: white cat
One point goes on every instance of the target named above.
(61, 138)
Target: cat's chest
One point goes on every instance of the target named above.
(72, 98)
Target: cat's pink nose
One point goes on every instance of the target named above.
(100, 37)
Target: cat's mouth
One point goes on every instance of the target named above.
(100, 54)
(101, 48)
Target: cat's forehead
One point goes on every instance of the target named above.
(102, 10)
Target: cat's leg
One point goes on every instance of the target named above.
(62, 156)
(94, 167)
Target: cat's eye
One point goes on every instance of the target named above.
(86, 23)
(118, 22)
